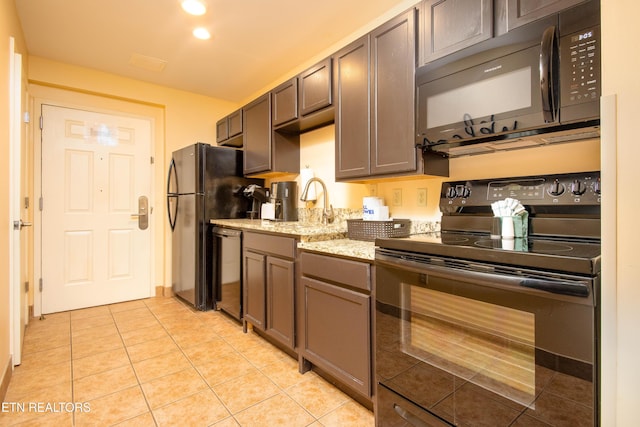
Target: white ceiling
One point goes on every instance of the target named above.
(254, 42)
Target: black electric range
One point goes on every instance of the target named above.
(563, 214)
(474, 327)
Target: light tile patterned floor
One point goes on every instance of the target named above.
(156, 362)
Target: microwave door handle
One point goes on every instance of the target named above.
(549, 74)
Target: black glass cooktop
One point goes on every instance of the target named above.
(581, 257)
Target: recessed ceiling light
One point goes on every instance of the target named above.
(194, 7)
(201, 33)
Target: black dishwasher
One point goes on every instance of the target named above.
(227, 270)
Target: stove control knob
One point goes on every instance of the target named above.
(596, 186)
(451, 193)
(556, 188)
(578, 187)
(463, 191)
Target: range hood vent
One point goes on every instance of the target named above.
(517, 140)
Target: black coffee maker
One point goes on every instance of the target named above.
(259, 195)
(284, 197)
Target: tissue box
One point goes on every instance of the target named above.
(521, 225)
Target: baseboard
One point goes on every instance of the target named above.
(164, 291)
(6, 378)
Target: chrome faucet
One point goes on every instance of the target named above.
(327, 214)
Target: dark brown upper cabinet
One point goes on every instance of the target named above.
(265, 150)
(229, 130)
(315, 88)
(285, 102)
(447, 26)
(374, 86)
(352, 110)
(313, 106)
(515, 13)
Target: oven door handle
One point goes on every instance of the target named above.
(414, 420)
(574, 290)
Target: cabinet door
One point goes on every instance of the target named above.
(315, 88)
(337, 332)
(520, 12)
(393, 63)
(234, 123)
(257, 135)
(285, 102)
(254, 288)
(351, 90)
(222, 130)
(280, 300)
(447, 26)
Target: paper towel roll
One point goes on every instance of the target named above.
(369, 205)
(305, 175)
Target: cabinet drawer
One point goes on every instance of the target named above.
(352, 273)
(276, 245)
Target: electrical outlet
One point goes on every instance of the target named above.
(372, 189)
(397, 197)
(422, 197)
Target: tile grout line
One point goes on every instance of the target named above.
(146, 401)
(190, 363)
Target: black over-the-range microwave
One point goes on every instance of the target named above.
(537, 84)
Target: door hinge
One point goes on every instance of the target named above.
(41, 122)
(26, 286)
(40, 285)
(41, 203)
(152, 160)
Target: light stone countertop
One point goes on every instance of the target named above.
(362, 250)
(329, 239)
(304, 231)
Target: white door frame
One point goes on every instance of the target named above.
(37, 171)
(17, 294)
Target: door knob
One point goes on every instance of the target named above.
(143, 213)
(17, 225)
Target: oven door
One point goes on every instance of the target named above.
(468, 344)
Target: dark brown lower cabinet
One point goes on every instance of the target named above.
(269, 285)
(280, 300)
(337, 319)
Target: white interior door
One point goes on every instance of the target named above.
(96, 174)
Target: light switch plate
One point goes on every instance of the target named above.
(421, 197)
(397, 197)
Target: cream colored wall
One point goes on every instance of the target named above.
(181, 118)
(621, 265)
(9, 27)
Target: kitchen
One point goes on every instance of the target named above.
(619, 384)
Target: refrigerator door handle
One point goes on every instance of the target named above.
(172, 195)
(172, 176)
(172, 213)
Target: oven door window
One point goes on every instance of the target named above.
(487, 344)
(483, 355)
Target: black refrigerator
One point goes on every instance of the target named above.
(204, 182)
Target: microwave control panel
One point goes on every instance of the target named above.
(580, 65)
